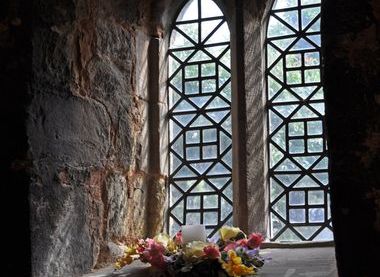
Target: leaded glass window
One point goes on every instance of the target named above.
(298, 162)
(199, 89)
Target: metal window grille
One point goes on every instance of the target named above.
(199, 91)
(298, 162)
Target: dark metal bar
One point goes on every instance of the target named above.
(204, 175)
(277, 108)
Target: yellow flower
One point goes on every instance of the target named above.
(172, 246)
(130, 250)
(123, 261)
(130, 254)
(234, 266)
(194, 250)
(166, 241)
(162, 238)
(227, 232)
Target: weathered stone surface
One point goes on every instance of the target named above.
(52, 68)
(157, 200)
(254, 116)
(72, 132)
(112, 40)
(62, 243)
(115, 249)
(84, 123)
(117, 199)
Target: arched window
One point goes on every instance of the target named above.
(298, 162)
(199, 90)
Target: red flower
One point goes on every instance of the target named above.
(254, 240)
(140, 246)
(211, 251)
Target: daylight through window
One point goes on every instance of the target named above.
(298, 166)
(200, 190)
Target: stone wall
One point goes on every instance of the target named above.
(254, 70)
(75, 78)
(87, 132)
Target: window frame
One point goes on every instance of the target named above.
(225, 19)
(324, 153)
(247, 23)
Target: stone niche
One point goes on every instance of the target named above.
(79, 166)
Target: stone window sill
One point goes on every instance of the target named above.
(304, 244)
(136, 269)
(315, 260)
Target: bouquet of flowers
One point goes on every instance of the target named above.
(233, 253)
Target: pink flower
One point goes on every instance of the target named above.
(242, 242)
(178, 238)
(154, 254)
(211, 251)
(230, 246)
(233, 245)
(255, 240)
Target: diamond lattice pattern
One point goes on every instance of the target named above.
(298, 166)
(200, 118)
